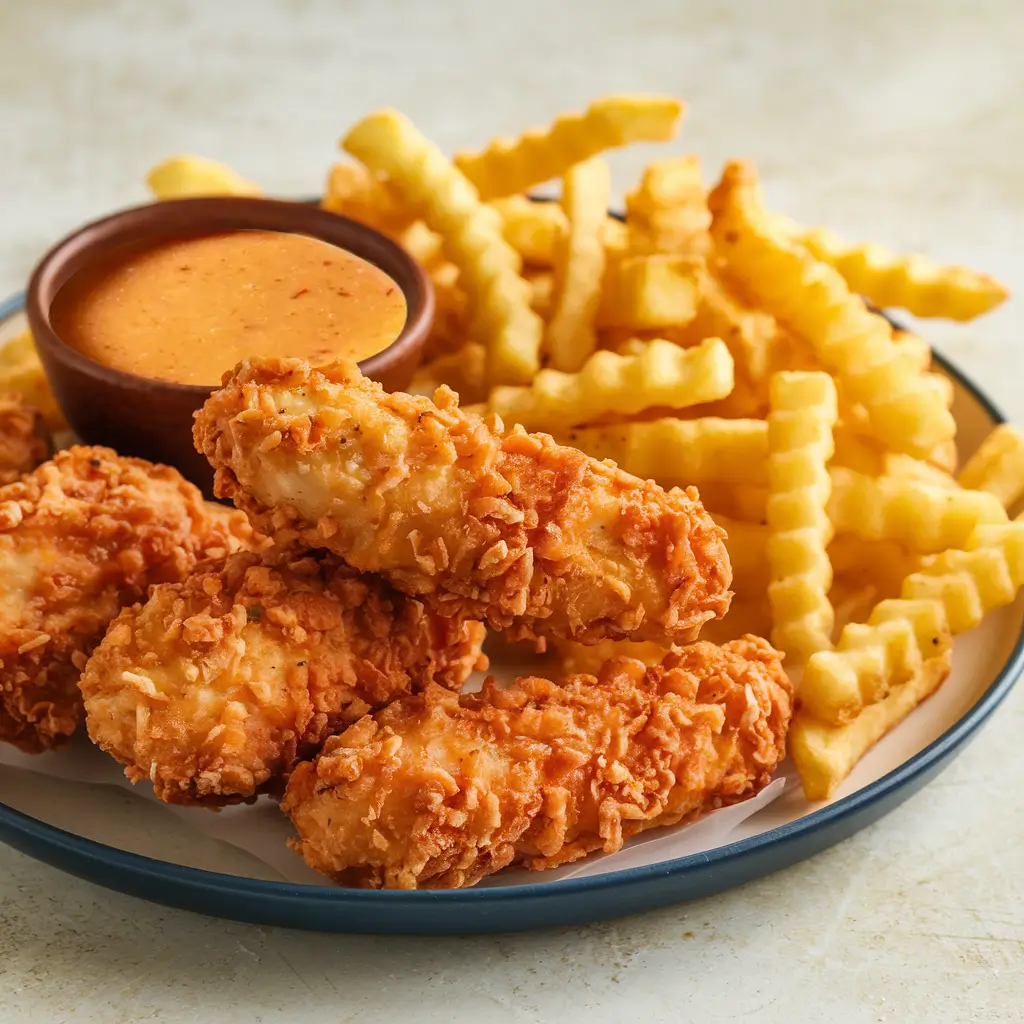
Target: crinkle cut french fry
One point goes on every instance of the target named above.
(488, 266)
(21, 373)
(871, 658)
(650, 292)
(747, 544)
(662, 375)
(747, 503)
(746, 615)
(882, 564)
(998, 465)
(575, 658)
(507, 166)
(804, 407)
(750, 333)
(542, 291)
(182, 177)
(462, 370)
(667, 212)
(825, 754)
(579, 268)
(924, 518)
(950, 595)
(912, 282)
(533, 229)
(354, 191)
(677, 453)
(814, 301)
(972, 582)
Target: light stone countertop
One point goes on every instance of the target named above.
(902, 122)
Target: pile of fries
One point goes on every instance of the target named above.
(705, 340)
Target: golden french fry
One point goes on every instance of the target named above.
(533, 229)
(951, 594)
(507, 166)
(912, 282)
(998, 466)
(747, 544)
(579, 266)
(871, 658)
(462, 370)
(616, 239)
(814, 301)
(970, 583)
(649, 292)
(678, 453)
(662, 375)
(667, 212)
(21, 373)
(750, 333)
(881, 564)
(422, 244)
(825, 754)
(747, 503)
(920, 350)
(574, 658)
(355, 192)
(746, 615)
(186, 176)
(488, 266)
(923, 518)
(542, 291)
(804, 408)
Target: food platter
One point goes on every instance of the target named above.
(90, 830)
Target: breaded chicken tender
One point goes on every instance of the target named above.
(81, 537)
(534, 538)
(438, 790)
(24, 439)
(214, 687)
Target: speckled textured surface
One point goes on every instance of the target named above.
(901, 122)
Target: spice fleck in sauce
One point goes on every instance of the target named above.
(190, 309)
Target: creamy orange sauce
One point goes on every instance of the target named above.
(187, 310)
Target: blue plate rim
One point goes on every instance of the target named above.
(820, 820)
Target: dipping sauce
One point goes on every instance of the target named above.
(188, 310)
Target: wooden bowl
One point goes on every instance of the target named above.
(150, 418)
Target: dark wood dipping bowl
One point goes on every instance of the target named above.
(150, 418)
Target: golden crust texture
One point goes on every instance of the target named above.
(535, 538)
(214, 687)
(24, 439)
(81, 537)
(439, 790)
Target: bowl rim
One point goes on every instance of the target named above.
(211, 887)
(294, 216)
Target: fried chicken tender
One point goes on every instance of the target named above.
(534, 538)
(214, 687)
(24, 439)
(437, 791)
(81, 537)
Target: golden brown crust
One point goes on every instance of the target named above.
(439, 790)
(81, 537)
(536, 538)
(24, 440)
(214, 687)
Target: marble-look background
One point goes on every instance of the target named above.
(901, 121)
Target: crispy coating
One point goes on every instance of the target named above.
(214, 687)
(81, 537)
(534, 538)
(24, 439)
(438, 791)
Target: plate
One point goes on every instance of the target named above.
(122, 841)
